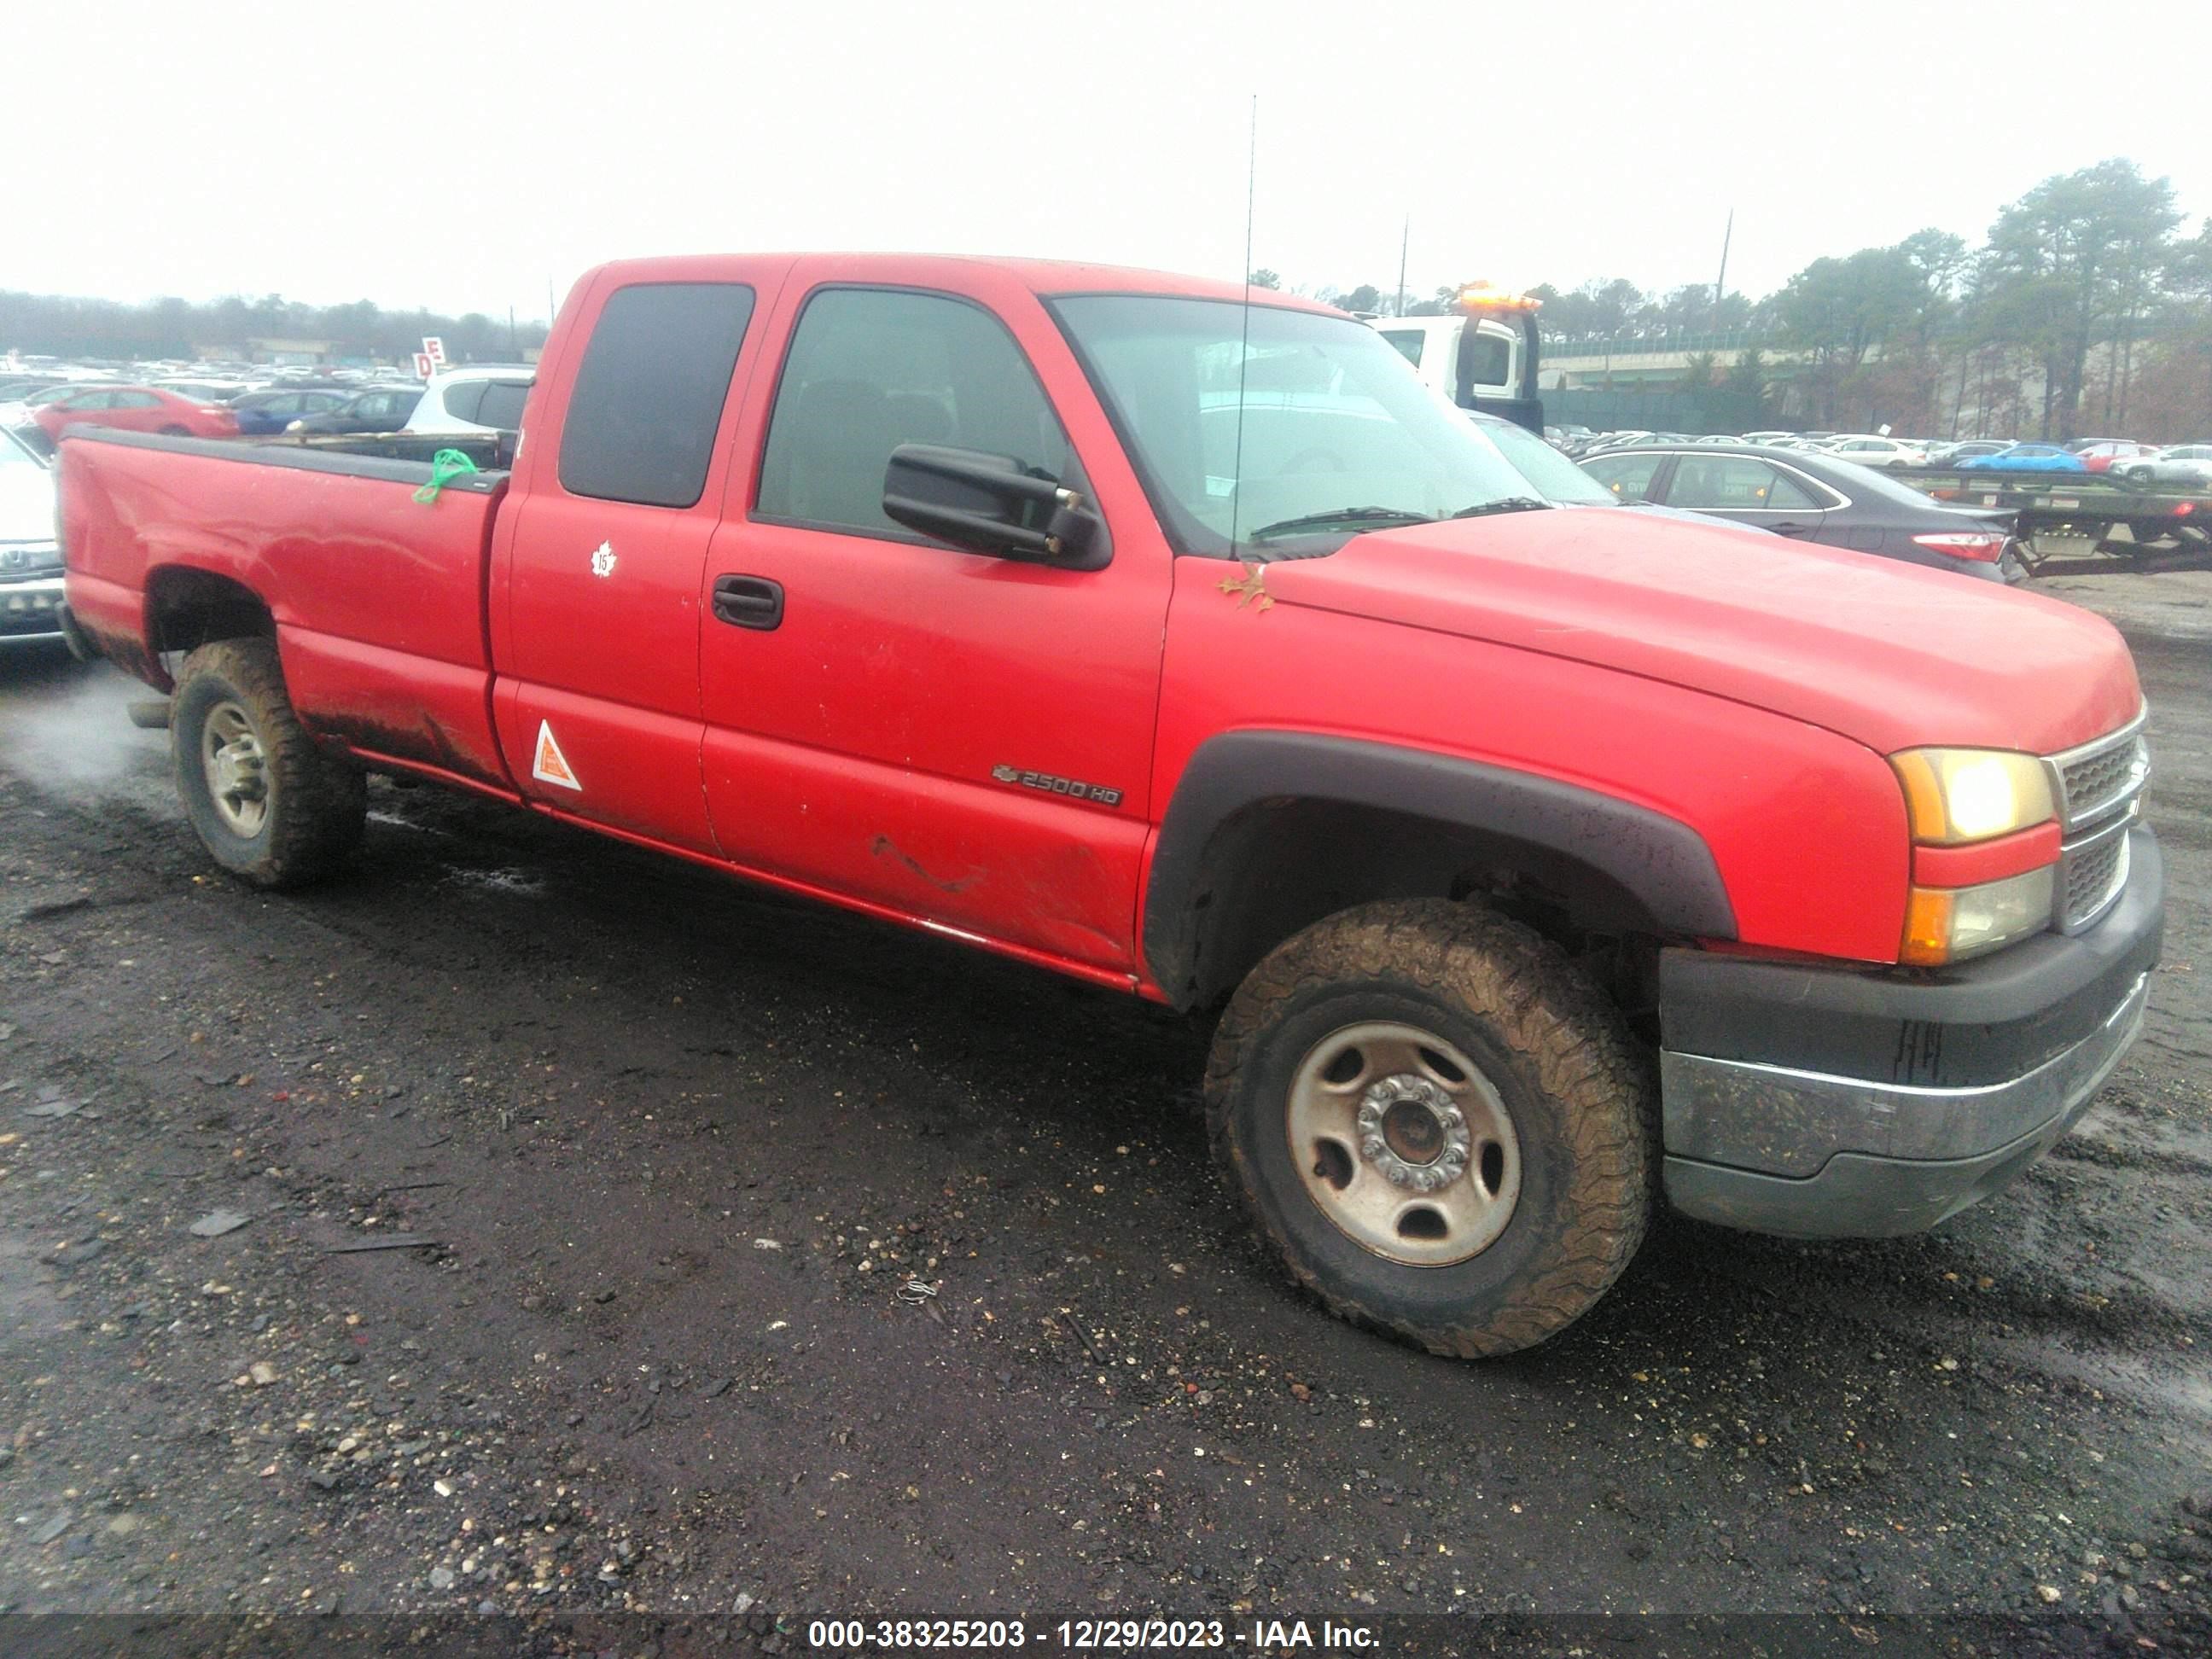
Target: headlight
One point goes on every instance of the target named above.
(1950, 924)
(1955, 795)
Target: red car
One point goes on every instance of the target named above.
(1530, 866)
(135, 408)
(2101, 454)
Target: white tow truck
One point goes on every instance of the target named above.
(1481, 357)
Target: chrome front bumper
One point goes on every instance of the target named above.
(1906, 1164)
(31, 609)
(1938, 1089)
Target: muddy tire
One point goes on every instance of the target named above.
(272, 808)
(1443, 1129)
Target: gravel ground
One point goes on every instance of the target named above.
(528, 1227)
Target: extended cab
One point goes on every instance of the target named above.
(1537, 862)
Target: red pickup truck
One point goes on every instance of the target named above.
(1534, 862)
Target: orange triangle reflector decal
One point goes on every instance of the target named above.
(550, 765)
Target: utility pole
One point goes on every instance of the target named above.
(1404, 237)
(1720, 286)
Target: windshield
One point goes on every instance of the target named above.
(12, 453)
(1549, 473)
(1336, 435)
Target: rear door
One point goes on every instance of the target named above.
(939, 734)
(599, 568)
(140, 411)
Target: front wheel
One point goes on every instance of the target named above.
(1443, 1128)
(270, 806)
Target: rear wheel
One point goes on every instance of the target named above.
(270, 805)
(1443, 1128)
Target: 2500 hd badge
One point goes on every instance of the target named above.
(1053, 786)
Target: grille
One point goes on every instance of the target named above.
(2096, 782)
(2098, 778)
(2093, 877)
(23, 560)
(2099, 786)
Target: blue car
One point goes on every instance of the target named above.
(261, 414)
(2026, 458)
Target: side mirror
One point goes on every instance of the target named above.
(992, 504)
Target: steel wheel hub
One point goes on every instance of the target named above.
(236, 769)
(1413, 1133)
(1403, 1143)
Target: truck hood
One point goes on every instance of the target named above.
(1891, 655)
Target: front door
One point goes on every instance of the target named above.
(937, 734)
(1748, 490)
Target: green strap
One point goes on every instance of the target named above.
(445, 466)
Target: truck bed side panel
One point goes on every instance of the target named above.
(378, 598)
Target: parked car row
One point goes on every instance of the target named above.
(2137, 463)
(2185, 465)
(478, 399)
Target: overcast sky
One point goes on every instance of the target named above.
(462, 157)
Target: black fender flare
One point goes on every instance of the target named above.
(1661, 866)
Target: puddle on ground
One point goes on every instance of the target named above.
(497, 881)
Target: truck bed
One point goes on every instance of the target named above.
(378, 600)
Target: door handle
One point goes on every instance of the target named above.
(1788, 529)
(748, 601)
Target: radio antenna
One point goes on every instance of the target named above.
(1244, 345)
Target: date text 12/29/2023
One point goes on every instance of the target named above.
(1257, 1636)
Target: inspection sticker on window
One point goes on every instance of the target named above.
(552, 766)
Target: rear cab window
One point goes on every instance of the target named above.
(1489, 357)
(1408, 341)
(649, 396)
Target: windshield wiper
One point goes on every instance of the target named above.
(1509, 504)
(1341, 515)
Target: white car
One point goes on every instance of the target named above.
(1869, 450)
(30, 557)
(2188, 465)
(482, 397)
